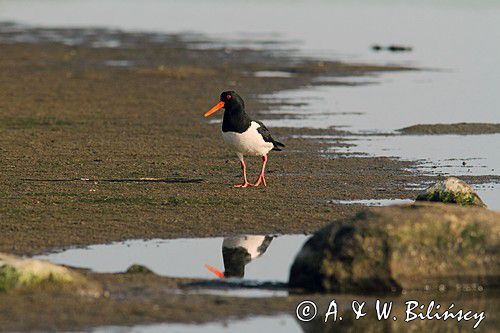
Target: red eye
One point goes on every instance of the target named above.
(229, 96)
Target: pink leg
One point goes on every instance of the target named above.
(245, 181)
(261, 176)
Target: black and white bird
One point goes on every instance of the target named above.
(243, 134)
(238, 251)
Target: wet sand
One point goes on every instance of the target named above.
(129, 299)
(160, 169)
(96, 151)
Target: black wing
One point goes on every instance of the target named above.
(265, 244)
(267, 135)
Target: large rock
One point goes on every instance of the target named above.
(17, 272)
(418, 246)
(452, 190)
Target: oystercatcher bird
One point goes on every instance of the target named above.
(245, 135)
(237, 252)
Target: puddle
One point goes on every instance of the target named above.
(348, 80)
(240, 292)
(272, 74)
(373, 202)
(490, 194)
(252, 257)
(118, 63)
(278, 323)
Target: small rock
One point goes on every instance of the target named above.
(136, 268)
(392, 48)
(451, 190)
(399, 48)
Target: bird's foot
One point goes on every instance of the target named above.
(260, 180)
(244, 185)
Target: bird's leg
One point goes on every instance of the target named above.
(245, 180)
(261, 176)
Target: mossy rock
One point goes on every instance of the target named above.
(422, 246)
(22, 273)
(452, 190)
(138, 269)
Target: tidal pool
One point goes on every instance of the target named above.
(373, 202)
(278, 324)
(249, 257)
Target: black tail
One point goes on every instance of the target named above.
(277, 145)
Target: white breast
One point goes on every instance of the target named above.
(250, 242)
(249, 142)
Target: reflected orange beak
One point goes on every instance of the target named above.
(216, 107)
(215, 270)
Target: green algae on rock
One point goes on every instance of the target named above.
(17, 273)
(451, 190)
(136, 268)
(422, 246)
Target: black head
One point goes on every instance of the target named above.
(235, 260)
(232, 100)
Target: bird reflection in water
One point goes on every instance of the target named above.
(238, 251)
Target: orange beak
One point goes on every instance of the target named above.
(216, 107)
(215, 271)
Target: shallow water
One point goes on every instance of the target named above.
(272, 74)
(451, 155)
(447, 156)
(279, 323)
(456, 37)
(187, 257)
(373, 202)
(490, 194)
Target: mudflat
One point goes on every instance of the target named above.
(105, 144)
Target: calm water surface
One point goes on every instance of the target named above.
(187, 257)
